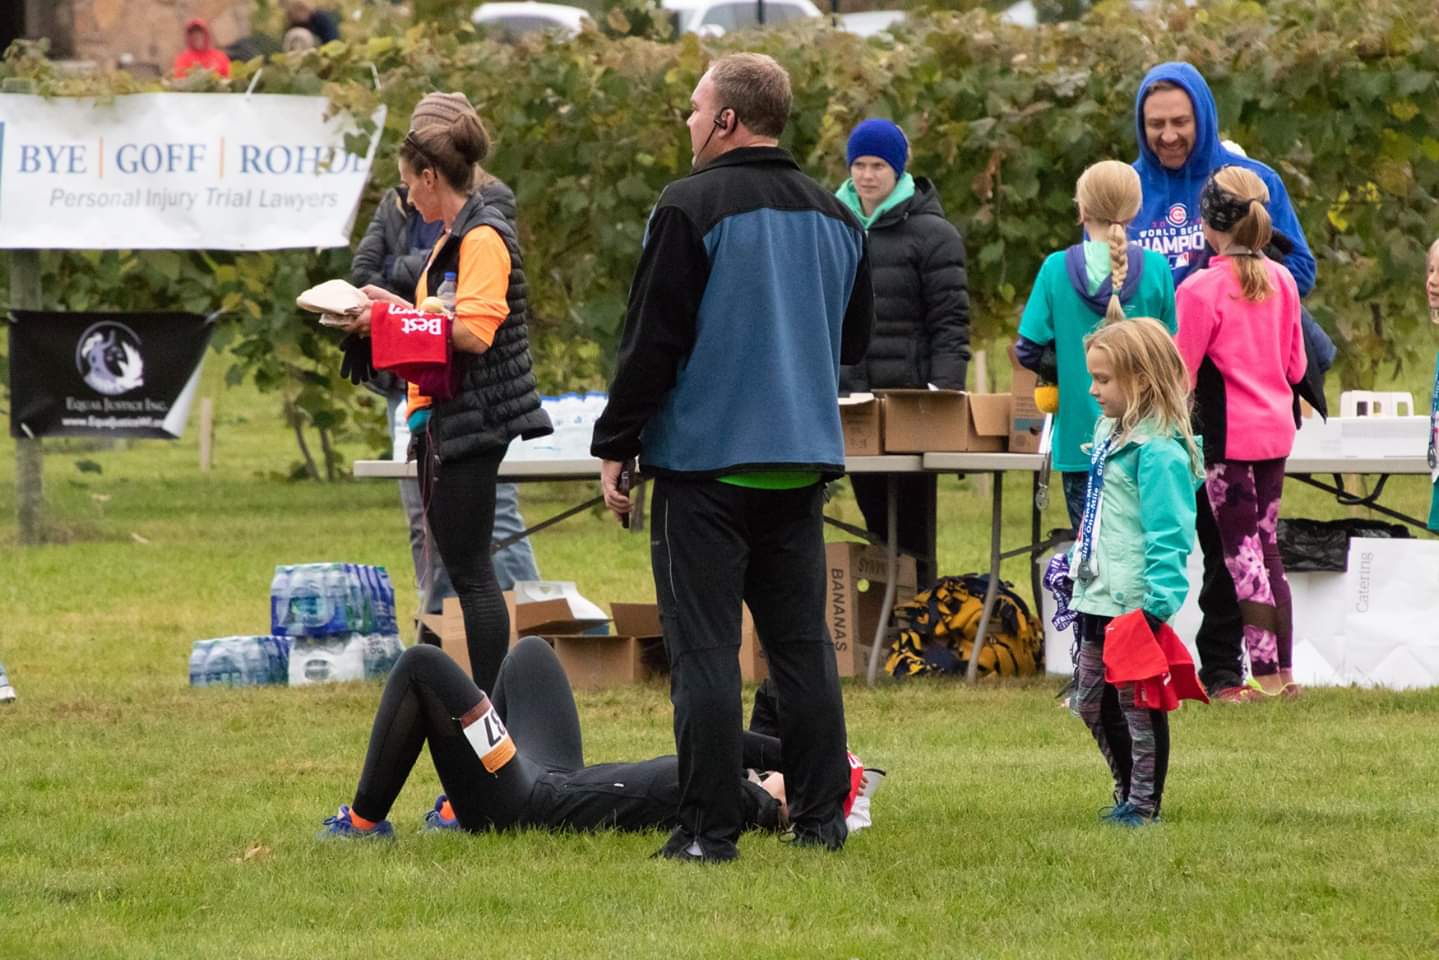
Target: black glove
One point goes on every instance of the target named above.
(358, 364)
(1154, 622)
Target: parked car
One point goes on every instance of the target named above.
(867, 23)
(715, 17)
(1024, 14)
(512, 20)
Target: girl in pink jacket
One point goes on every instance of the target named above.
(1240, 336)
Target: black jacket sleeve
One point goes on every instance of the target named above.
(404, 275)
(659, 331)
(368, 265)
(859, 315)
(1039, 358)
(946, 301)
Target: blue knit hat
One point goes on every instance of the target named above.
(879, 138)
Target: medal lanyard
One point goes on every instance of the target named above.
(1091, 506)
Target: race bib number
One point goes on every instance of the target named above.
(487, 735)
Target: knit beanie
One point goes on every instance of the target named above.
(441, 108)
(878, 138)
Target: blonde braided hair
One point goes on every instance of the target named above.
(1109, 192)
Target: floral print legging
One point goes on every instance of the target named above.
(1245, 498)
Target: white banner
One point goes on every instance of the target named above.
(177, 171)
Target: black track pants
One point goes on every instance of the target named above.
(713, 545)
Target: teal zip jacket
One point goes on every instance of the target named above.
(1146, 527)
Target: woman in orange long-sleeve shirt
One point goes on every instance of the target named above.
(460, 441)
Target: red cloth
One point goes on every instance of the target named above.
(856, 780)
(1158, 667)
(416, 346)
(206, 58)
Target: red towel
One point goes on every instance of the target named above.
(415, 345)
(1159, 668)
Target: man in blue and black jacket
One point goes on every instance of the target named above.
(752, 289)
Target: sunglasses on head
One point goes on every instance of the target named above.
(413, 142)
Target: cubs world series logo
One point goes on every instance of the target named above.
(1178, 215)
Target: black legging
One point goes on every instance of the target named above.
(426, 695)
(460, 510)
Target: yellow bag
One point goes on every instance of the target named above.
(937, 630)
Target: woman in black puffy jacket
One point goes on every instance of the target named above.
(921, 312)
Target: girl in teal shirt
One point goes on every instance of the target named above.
(1431, 288)
(1101, 280)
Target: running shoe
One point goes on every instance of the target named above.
(1132, 818)
(341, 827)
(436, 820)
(1240, 694)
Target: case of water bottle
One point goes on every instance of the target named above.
(341, 618)
(240, 661)
(329, 622)
(325, 599)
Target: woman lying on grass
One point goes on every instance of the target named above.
(516, 760)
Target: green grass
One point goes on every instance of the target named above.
(139, 818)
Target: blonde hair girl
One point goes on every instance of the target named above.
(1151, 376)
(1102, 279)
(1431, 292)
(1129, 558)
(1237, 225)
(1108, 196)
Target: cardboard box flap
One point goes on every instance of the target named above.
(916, 392)
(990, 412)
(637, 620)
(554, 607)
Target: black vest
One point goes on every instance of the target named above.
(498, 399)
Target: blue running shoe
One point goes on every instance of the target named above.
(341, 827)
(1120, 809)
(1133, 819)
(436, 820)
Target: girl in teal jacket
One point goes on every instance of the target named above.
(1431, 289)
(1133, 542)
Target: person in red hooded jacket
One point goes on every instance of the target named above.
(200, 52)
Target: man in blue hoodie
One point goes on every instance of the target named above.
(1179, 148)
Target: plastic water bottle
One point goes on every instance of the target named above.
(280, 599)
(447, 292)
(221, 666)
(311, 607)
(7, 692)
(387, 619)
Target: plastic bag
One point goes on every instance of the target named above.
(1323, 545)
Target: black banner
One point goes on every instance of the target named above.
(104, 374)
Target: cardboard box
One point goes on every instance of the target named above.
(943, 421)
(642, 621)
(1026, 421)
(449, 626)
(753, 666)
(628, 655)
(859, 416)
(854, 595)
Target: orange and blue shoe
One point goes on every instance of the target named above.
(442, 817)
(342, 827)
